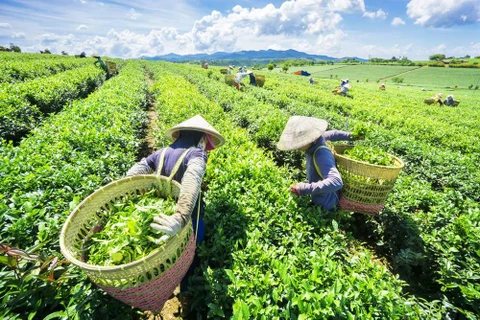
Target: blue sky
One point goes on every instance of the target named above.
(130, 29)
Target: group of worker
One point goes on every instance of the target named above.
(242, 72)
(449, 101)
(188, 155)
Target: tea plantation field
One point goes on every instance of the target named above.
(267, 254)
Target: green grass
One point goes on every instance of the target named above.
(362, 72)
(442, 77)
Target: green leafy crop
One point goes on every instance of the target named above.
(371, 155)
(124, 232)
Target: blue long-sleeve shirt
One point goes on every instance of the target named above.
(323, 190)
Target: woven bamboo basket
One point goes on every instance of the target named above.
(260, 80)
(146, 283)
(111, 67)
(365, 186)
(432, 101)
(230, 79)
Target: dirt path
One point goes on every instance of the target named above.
(398, 74)
(173, 308)
(149, 143)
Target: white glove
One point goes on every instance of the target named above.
(171, 225)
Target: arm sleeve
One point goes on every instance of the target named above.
(337, 135)
(332, 180)
(190, 188)
(141, 167)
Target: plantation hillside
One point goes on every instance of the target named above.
(267, 254)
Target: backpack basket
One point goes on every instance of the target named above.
(146, 283)
(230, 79)
(365, 186)
(260, 80)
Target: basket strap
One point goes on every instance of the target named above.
(174, 170)
(316, 166)
(198, 213)
(177, 164)
(315, 162)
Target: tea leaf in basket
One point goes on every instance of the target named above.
(125, 234)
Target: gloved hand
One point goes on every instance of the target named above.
(171, 225)
(296, 189)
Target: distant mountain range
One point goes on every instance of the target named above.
(247, 55)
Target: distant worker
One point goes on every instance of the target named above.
(101, 63)
(230, 69)
(311, 80)
(435, 99)
(83, 55)
(449, 101)
(382, 86)
(438, 98)
(238, 78)
(344, 89)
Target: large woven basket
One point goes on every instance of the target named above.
(432, 101)
(230, 79)
(260, 80)
(148, 282)
(365, 186)
(111, 67)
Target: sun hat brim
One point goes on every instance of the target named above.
(301, 131)
(197, 123)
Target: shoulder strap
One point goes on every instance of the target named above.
(175, 167)
(174, 170)
(315, 162)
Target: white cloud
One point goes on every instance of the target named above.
(133, 15)
(444, 13)
(82, 27)
(440, 48)
(376, 51)
(307, 25)
(472, 49)
(217, 32)
(125, 44)
(274, 46)
(5, 25)
(52, 41)
(331, 43)
(380, 14)
(397, 22)
(83, 1)
(18, 35)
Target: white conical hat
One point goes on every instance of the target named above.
(300, 131)
(197, 123)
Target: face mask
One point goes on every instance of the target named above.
(210, 144)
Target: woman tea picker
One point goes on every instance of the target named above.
(194, 136)
(309, 134)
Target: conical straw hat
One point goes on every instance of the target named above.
(300, 131)
(197, 123)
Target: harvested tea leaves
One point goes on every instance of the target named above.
(126, 234)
